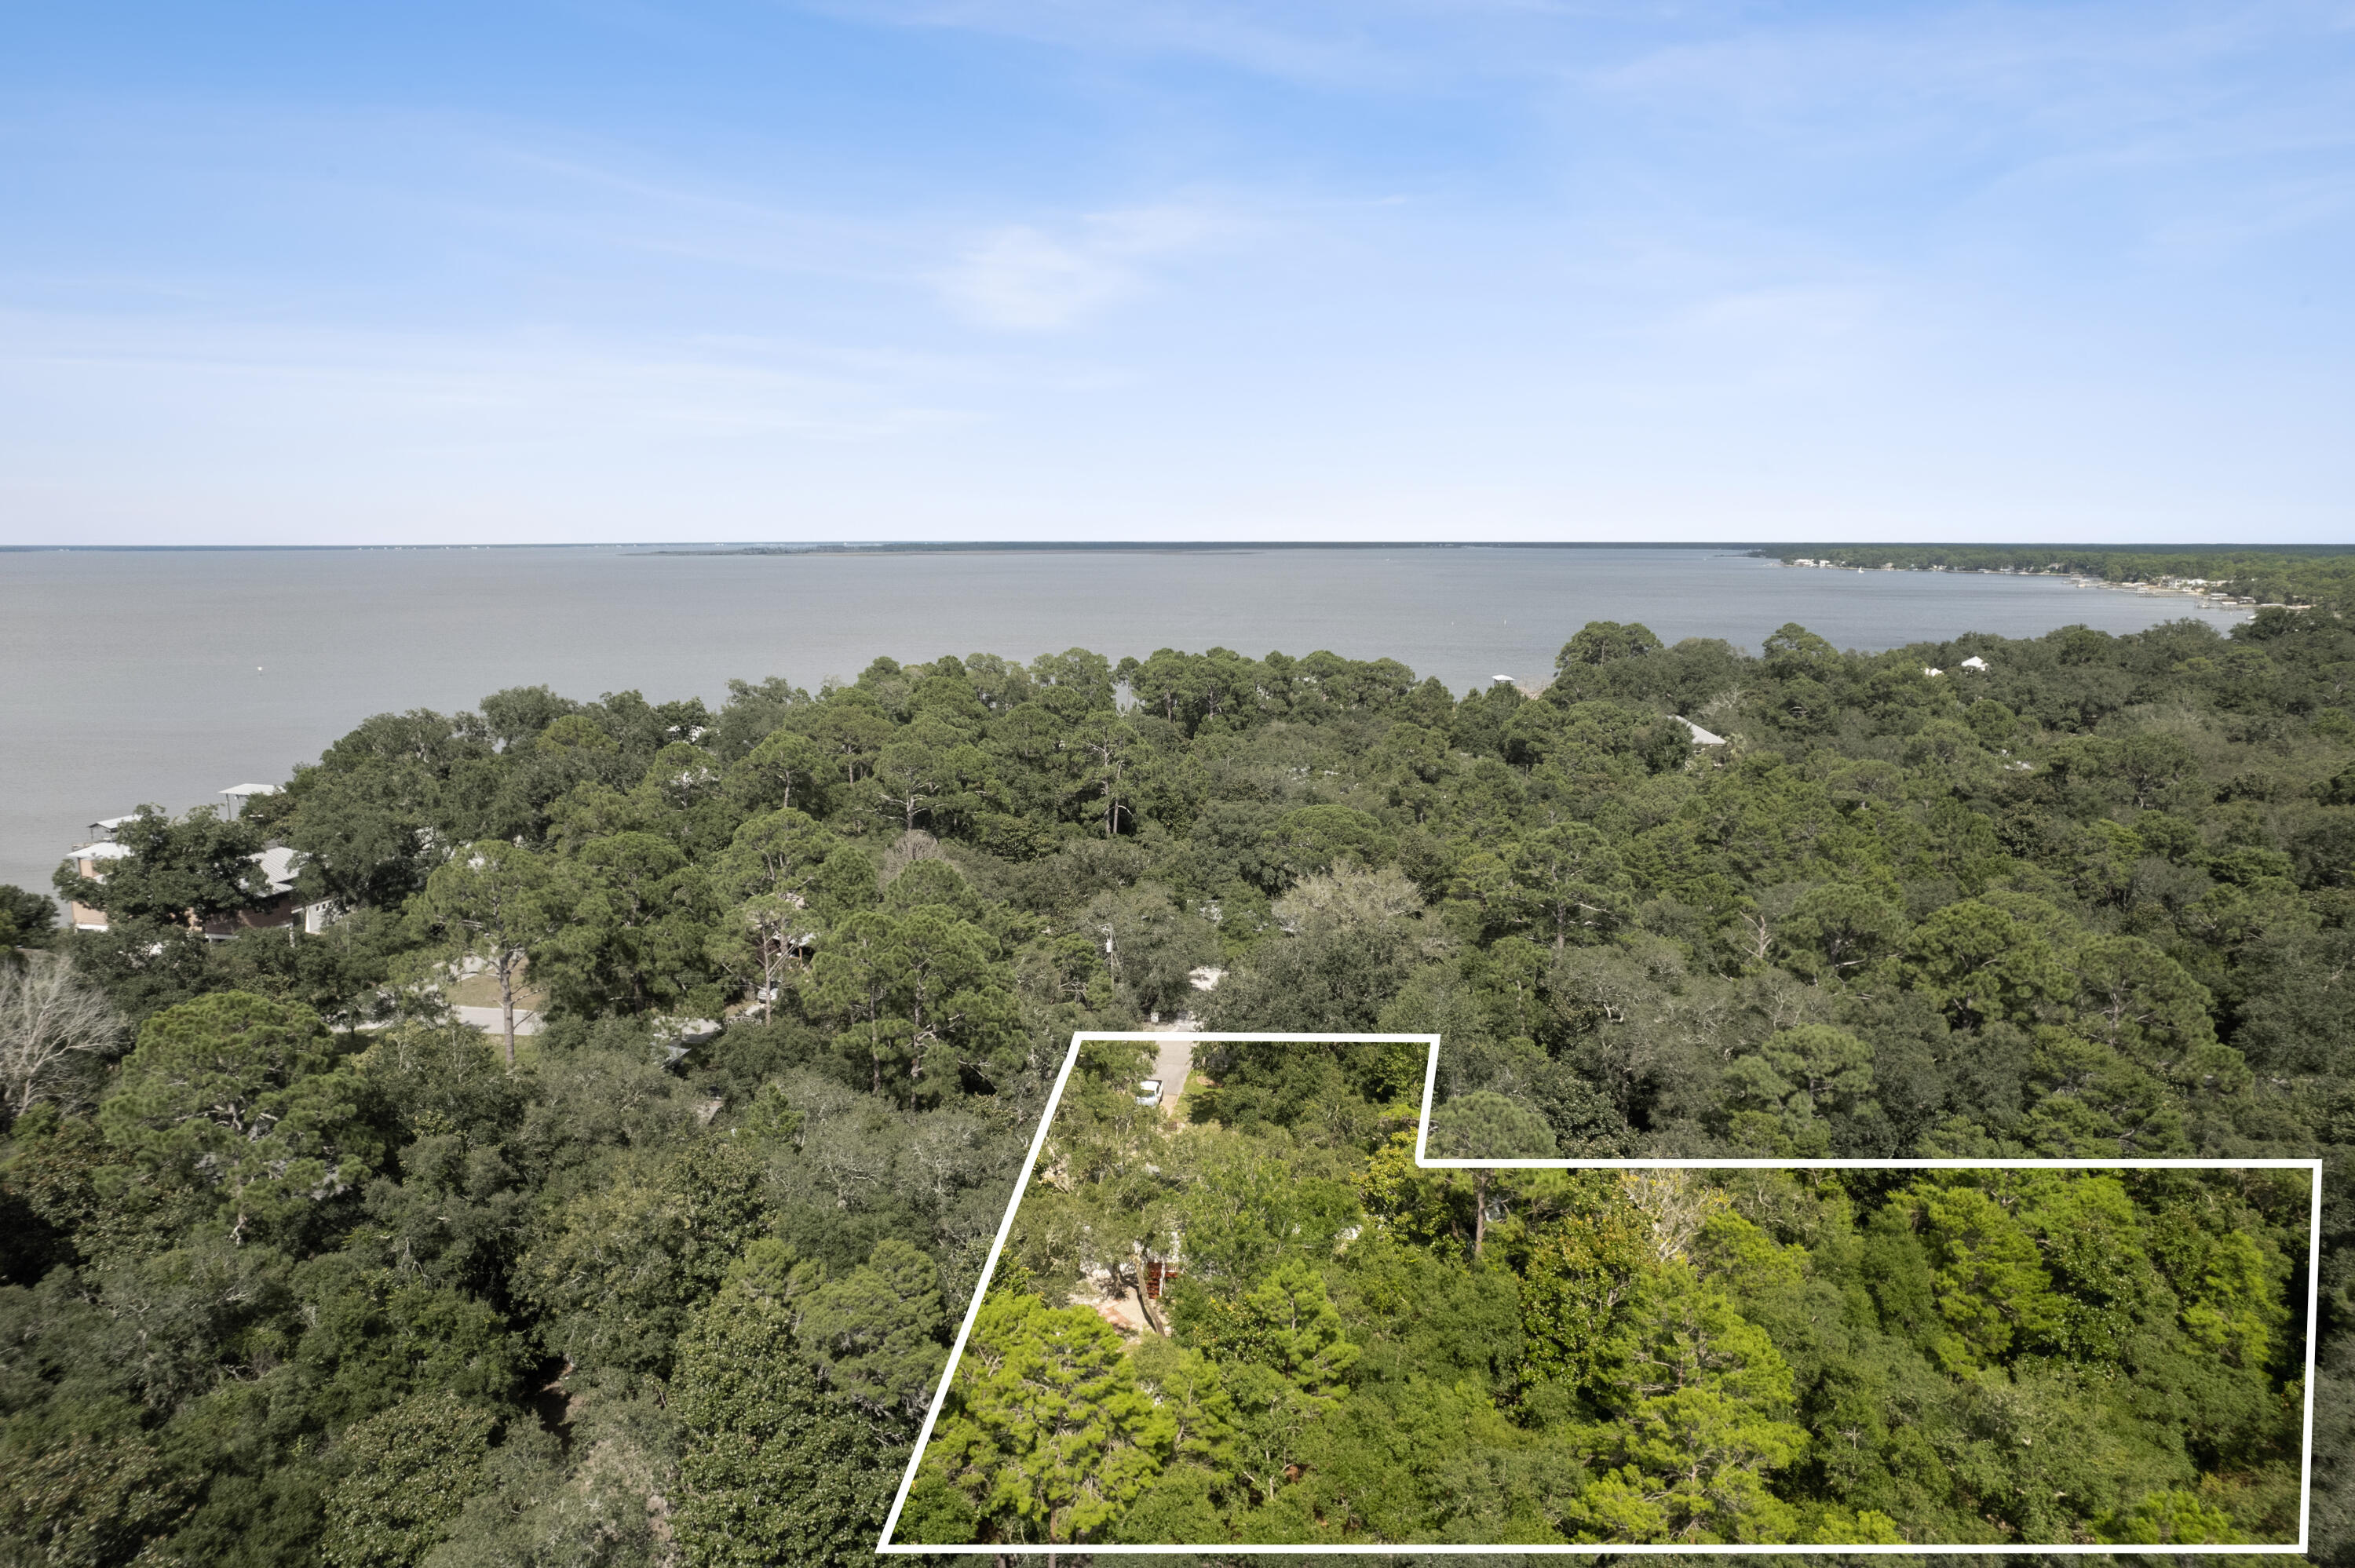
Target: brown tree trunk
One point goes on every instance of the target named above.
(1479, 1211)
(506, 1003)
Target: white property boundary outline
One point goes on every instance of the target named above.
(885, 1545)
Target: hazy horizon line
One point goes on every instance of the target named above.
(1226, 546)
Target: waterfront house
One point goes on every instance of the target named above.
(282, 906)
(90, 861)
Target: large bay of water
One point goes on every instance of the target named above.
(166, 677)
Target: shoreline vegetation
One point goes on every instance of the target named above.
(2295, 577)
(296, 1267)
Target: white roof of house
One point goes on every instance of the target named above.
(1701, 736)
(110, 823)
(251, 789)
(277, 862)
(277, 865)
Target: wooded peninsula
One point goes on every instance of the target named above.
(302, 1266)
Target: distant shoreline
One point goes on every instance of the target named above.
(2217, 601)
(933, 547)
(1138, 546)
(1174, 547)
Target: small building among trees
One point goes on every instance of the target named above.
(266, 897)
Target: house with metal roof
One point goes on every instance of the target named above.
(279, 907)
(1701, 737)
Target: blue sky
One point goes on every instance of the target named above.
(1134, 268)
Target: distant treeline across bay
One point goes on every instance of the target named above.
(2311, 575)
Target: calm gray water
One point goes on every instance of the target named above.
(166, 677)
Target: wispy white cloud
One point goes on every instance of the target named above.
(2251, 217)
(1730, 56)
(1789, 337)
(1293, 39)
(2155, 81)
(246, 384)
(1027, 277)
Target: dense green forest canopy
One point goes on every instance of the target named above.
(298, 1269)
(1361, 1350)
